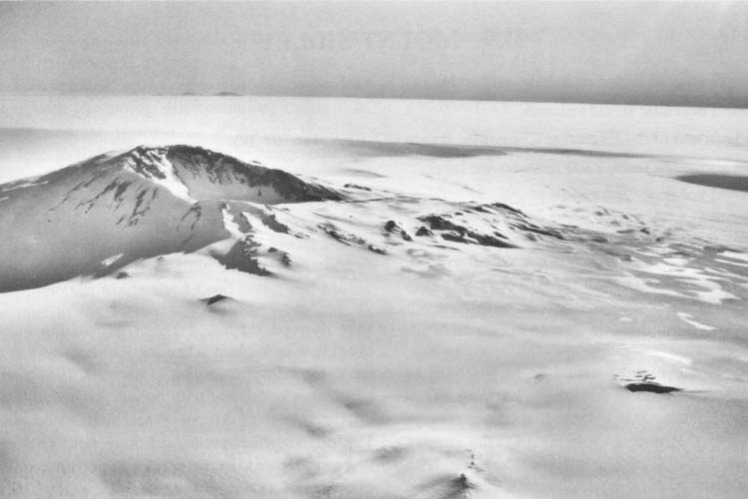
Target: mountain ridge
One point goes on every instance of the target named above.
(139, 203)
(97, 216)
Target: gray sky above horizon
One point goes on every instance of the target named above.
(661, 53)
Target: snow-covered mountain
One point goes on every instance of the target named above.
(99, 215)
(122, 206)
(428, 321)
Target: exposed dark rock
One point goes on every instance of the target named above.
(243, 256)
(122, 275)
(350, 239)
(282, 256)
(651, 387)
(488, 240)
(506, 207)
(377, 249)
(393, 228)
(240, 219)
(462, 483)
(437, 222)
(341, 237)
(423, 232)
(454, 237)
(451, 231)
(449, 487)
(530, 227)
(220, 168)
(718, 248)
(215, 299)
(356, 186)
(195, 212)
(646, 382)
(143, 160)
(268, 219)
(285, 259)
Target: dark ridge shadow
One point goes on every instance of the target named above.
(729, 182)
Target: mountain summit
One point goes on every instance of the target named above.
(198, 174)
(136, 204)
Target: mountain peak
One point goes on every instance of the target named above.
(196, 173)
(139, 203)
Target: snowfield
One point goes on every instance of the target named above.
(551, 306)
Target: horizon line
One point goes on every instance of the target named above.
(235, 95)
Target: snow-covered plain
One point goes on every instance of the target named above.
(368, 364)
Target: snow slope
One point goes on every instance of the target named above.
(568, 323)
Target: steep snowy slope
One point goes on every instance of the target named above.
(119, 207)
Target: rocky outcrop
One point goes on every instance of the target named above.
(450, 231)
(391, 227)
(244, 257)
(646, 382)
(215, 299)
(195, 166)
(350, 239)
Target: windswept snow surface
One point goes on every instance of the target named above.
(414, 318)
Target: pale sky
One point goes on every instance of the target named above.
(663, 53)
